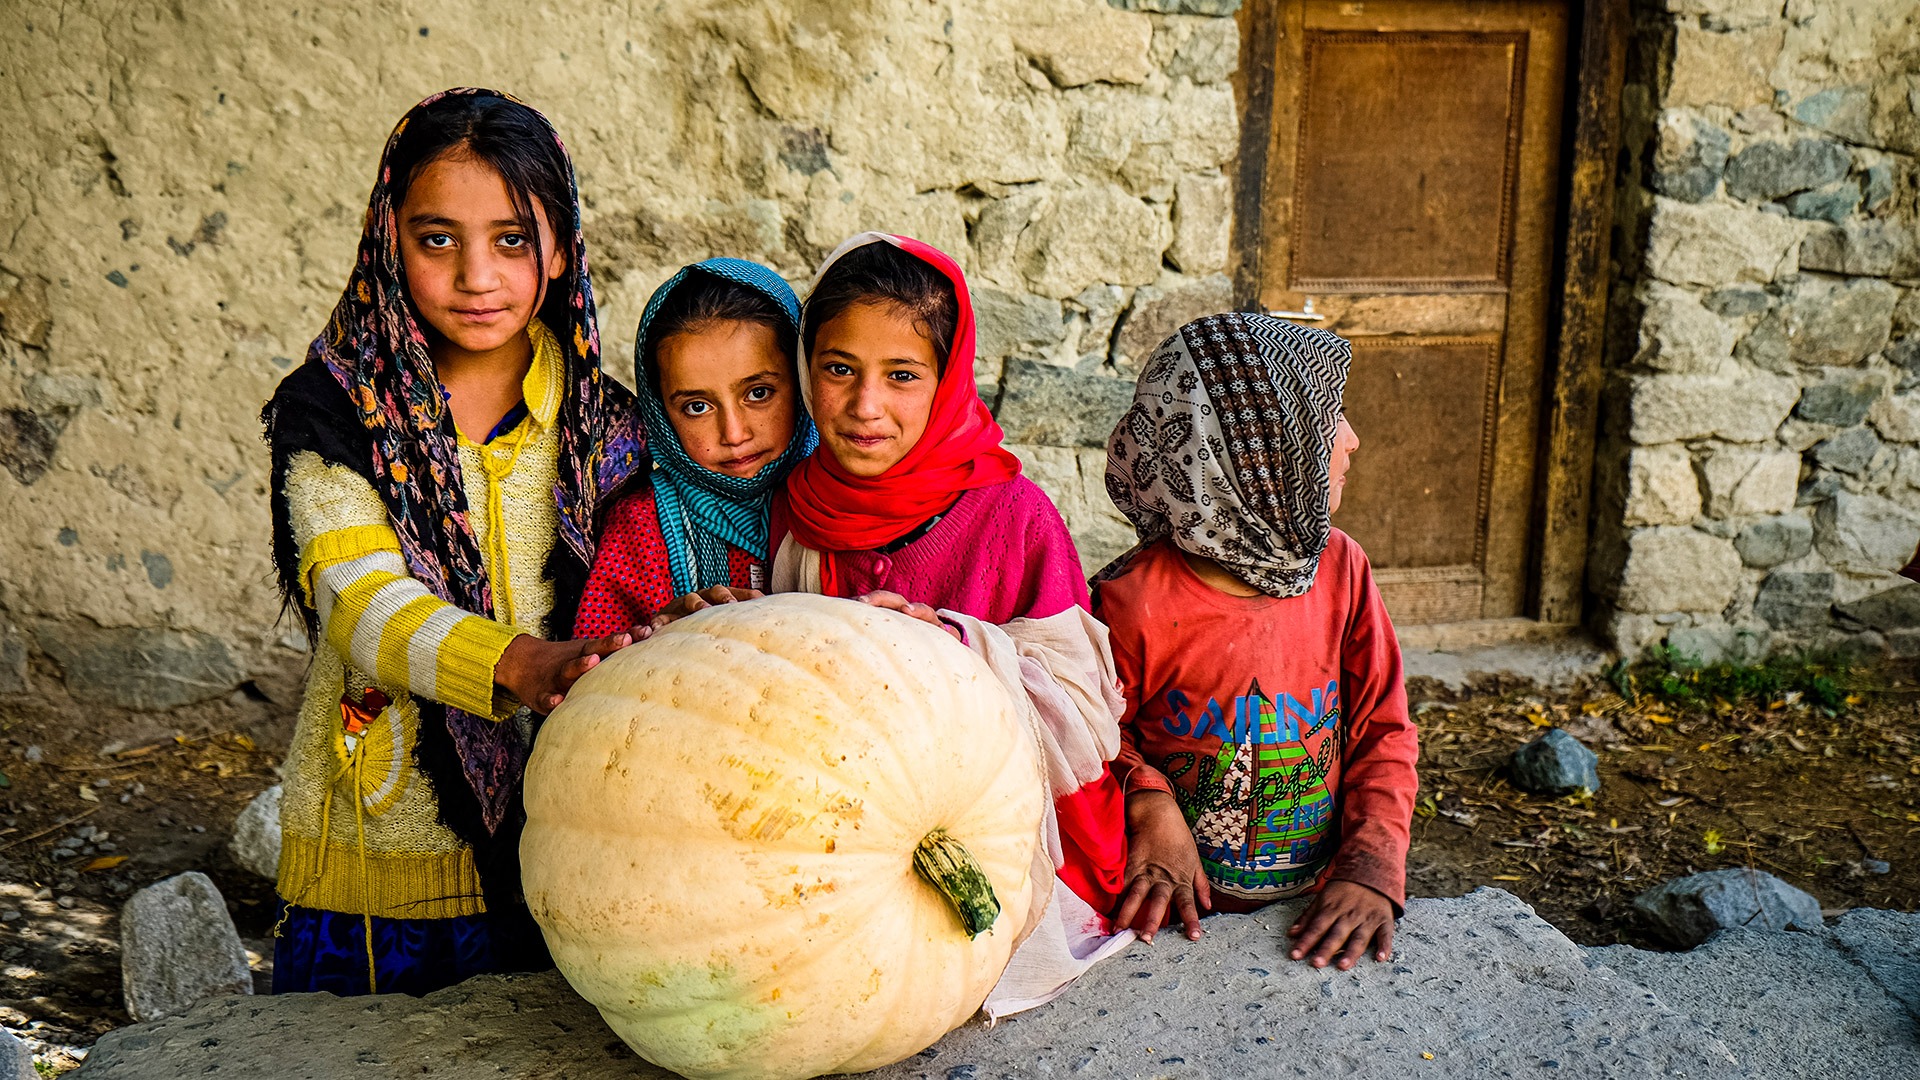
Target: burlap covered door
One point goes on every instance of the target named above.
(1409, 202)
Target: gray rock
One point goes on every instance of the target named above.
(1689, 910)
(1766, 346)
(1886, 943)
(1818, 488)
(1849, 452)
(1842, 401)
(1055, 406)
(1672, 569)
(1897, 608)
(1845, 111)
(1759, 990)
(1769, 170)
(1479, 982)
(1712, 244)
(1864, 533)
(1775, 540)
(1688, 158)
(1877, 186)
(1011, 324)
(1718, 643)
(1556, 764)
(1179, 7)
(139, 668)
(1202, 223)
(1835, 322)
(1162, 308)
(1830, 203)
(1878, 248)
(1735, 301)
(1789, 601)
(1677, 333)
(16, 1061)
(13, 662)
(178, 946)
(256, 834)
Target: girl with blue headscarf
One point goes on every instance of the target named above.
(714, 371)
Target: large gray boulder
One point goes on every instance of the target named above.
(1556, 764)
(1687, 911)
(1479, 986)
(177, 947)
(256, 835)
(1796, 1005)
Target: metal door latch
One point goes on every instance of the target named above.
(1305, 314)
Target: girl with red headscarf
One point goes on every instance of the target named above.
(912, 503)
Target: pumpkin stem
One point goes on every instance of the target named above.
(948, 866)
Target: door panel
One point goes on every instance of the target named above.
(1410, 196)
(1402, 187)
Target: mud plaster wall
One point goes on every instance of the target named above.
(1759, 468)
(184, 185)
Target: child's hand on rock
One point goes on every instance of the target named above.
(1164, 875)
(540, 673)
(1346, 918)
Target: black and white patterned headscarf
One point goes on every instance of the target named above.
(1227, 444)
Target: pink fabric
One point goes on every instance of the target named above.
(1002, 553)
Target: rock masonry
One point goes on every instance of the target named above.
(193, 179)
(198, 176)
(1759, 458)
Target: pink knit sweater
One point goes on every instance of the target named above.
(1002, 553)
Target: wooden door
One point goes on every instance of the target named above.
(1408, 200)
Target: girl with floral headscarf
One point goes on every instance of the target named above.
(713, 363)
(1267, 750)
(437, 464)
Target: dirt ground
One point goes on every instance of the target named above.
(1826, 798)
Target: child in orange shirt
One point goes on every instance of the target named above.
(1266, 745)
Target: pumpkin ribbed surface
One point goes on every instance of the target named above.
(722, 830)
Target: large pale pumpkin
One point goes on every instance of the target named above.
(784, 838)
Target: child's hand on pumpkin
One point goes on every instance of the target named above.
(540, 673)
(705, 598)
(1346, 918)
(926, 613)
(1164, 875)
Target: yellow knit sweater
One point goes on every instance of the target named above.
(361, 829)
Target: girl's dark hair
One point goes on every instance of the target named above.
(516, 143)
(880, 273)
(703, 299)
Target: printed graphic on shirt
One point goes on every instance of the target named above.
(1260, 808)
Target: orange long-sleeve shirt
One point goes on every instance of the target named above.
(1279, 725)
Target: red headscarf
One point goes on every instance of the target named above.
(831, 510)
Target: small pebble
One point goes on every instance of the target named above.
(65, 902)
(125, 798)
(43, 894)
(138, 788)
(1876, 866)
(35, 755)
(198, 828)
(103, 782)
(63, 853)
(107, 845)
(9, 915)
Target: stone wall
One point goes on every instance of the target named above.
(184, 190)
(1759, 467)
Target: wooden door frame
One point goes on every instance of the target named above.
(1576, 321)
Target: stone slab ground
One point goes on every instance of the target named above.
(1480, 983)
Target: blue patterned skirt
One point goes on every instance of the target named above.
(327, 950)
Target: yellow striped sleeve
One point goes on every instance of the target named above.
(371, 610)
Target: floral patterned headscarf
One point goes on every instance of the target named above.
(1227, 445)
(395, 429)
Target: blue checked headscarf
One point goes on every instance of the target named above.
(702, 511)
